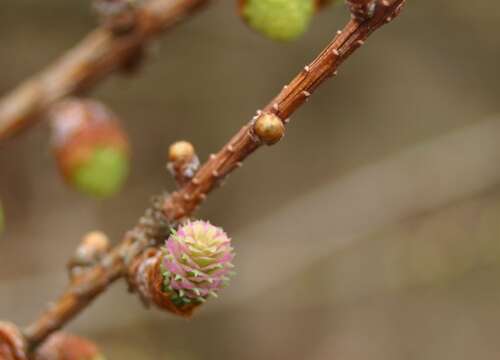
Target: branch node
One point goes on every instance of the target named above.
(118, 16)
(362, 10)
(92, 249)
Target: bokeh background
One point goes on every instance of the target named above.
(371, 232)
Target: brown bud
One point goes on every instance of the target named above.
(269, 128)
(12, 345)
(181, 151)
(63, 346)
(183, 161)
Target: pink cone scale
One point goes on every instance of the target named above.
(197, 262)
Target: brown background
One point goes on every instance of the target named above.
(371, 232)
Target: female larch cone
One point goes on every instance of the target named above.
(282, 20)
(90, 146)
(197, 262)
(194, 265)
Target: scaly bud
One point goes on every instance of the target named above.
(90, 146)
(269, 128)
(181, 151)
(63, 346)
(182, 161)
(278, 19)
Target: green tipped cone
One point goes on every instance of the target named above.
(103, 174)
(282, 20)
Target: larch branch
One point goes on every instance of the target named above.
(184, 202)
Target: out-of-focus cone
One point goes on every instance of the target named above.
(91, 148)
(282, 20)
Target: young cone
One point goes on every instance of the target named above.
(197, 262)
(90, 146)
(194, 264)
(282, 20)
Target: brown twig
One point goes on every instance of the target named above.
(98, 55)
(183, 202)
(186, 200)
(151, 230)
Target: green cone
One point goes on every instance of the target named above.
(103, 174)
(282, 20)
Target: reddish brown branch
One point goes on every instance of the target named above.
(183, 202)
(186, 200)
(98, 55)
(150, 231)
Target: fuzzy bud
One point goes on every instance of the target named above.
(269, 128)
(12, 345)
(91, 148)
(63, 346)
(282, 20)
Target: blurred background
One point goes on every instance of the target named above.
(371, 232)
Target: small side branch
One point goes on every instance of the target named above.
(150, 231)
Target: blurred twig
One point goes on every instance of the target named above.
(101, 53)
